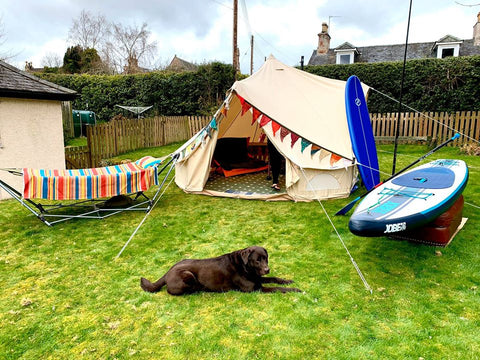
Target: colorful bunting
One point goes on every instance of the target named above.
(224, 111)
(283, 132)
(294, 138)
(334, 158)
(305, 144)
(275, 127)
(213, 124)
(255, 115)
(314, 149)
(265, 120)
(262, 138)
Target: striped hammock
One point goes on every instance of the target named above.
(80, 184)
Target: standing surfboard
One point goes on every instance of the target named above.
(410, 200)
(361, 134)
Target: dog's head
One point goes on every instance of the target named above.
(255, 259)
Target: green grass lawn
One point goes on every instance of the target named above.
(64, 297)
(79, 141)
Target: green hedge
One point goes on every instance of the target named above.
(449, 84)
(187, 93)
(430, 85)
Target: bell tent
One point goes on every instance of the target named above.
(302, 114)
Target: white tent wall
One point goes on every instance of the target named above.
(191, 172)
(310, 106)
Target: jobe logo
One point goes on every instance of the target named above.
(390, 228)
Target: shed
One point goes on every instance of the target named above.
(31, 129)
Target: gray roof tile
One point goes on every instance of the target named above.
(18, 83)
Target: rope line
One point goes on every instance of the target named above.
(426, 116)
(145, 217)
(359, 272)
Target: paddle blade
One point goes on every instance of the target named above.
(348, 207)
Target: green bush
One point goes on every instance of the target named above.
(187, 93)
(449, 84)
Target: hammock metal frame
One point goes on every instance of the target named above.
(49, 214)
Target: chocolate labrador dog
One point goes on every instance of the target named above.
(241, 270)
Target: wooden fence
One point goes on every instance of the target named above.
(432, 127)
(117, 137)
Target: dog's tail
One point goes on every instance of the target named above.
(152, 287)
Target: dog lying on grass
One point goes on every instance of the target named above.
(241, 270)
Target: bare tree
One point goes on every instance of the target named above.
(89, 31)
(129, 47)
(3, 39)
(51, 60)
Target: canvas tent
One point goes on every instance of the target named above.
(302, 114)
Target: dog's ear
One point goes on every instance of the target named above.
(245, 254)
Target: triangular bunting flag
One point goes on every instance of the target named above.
(224, 111)
(334, 158)
(265, 120)
(262, 138)
(283, 132)
(255, 115)
(245, 107)
(242, 100)
(275, 127)
(213, 124)
(295, 138)
(314, 149)
(305, 144)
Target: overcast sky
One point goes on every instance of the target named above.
(201, 30)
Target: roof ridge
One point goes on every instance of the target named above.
(35, 78)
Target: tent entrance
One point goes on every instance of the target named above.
(253, 186)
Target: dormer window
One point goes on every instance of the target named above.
(345, 54)
(345, 57)
(447, 46)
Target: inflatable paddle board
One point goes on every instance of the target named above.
(361, 134)
(411, 199)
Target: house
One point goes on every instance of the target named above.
(179, 65)
(347, 53)
(132, 67)
(31, 129)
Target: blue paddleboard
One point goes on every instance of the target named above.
(410, 200)
(361, 133)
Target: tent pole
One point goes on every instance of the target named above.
(397, 131)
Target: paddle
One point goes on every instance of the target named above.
(350, 205)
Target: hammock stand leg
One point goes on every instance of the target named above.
(25, 202)
(43, 211)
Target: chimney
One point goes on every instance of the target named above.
(324, 40)
(476, 31)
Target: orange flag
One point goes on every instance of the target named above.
(275, 127)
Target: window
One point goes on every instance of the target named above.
(447, 52)
(345, 57)
(448, 49)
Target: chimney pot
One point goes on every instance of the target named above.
(476, 31)
(323, 40)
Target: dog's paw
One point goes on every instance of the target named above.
(285, 281)
(145, 284)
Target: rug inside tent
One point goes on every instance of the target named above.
(247, 184)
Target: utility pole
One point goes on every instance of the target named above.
(235, 48)
(251, 55)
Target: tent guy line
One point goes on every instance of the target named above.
(355, 265)
(151, 208)
(425, 115)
